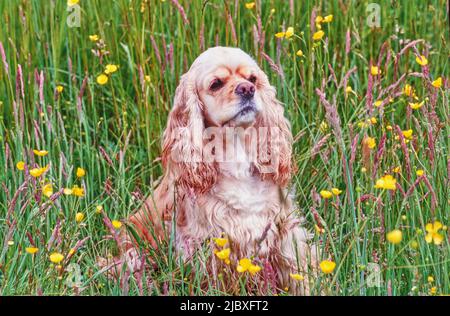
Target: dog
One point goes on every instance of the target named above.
(244, 197)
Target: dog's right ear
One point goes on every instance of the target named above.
(183, 140)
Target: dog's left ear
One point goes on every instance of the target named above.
(276, 145)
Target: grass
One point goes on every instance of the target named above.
(113, 132)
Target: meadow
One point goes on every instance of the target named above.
(85, 89)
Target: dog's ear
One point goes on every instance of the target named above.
(275, 143)
(183, 140)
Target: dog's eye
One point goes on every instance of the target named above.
(216, 85)
(252, 79)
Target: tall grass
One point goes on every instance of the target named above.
(113, 132)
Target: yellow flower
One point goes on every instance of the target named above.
(389, 127)
(437, 83)
(318, 229)
(297, 277)
(422, 60)
(317, 36)
(31, 250)
(326, 194)
(40, 153)
(408, 90)
(59, 89)
(433, 290)
(243, 265)
(328, 18)
(94, 38)
(116, 224)
(370, 142)
(98, 209)
(280, 34)
(327, 266)
(79, 217)
(147, 78)
(323, 126)
(37, 172)
(220, 241)
(394, 237)
(77, 191)
(47, 190)
(319, 19)
(72, 2)
(72, 251)
(20, 165)
(111, 69)
(289, 32)
(250, 5)
(433, 233)
(416, 105)
(102, 79)
(396, 170)
(348, 89)
(387, 182)
(299, 53)
(223, 254)
(56, 257)
(378, 103)
(419, 172)
(81, 172)
(375, 71)
(408, 133)
(67, 191)
(253, 269)
(373, 120)
(363, 169)
(336, 191)
(430, 279)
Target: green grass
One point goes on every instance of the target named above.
(124, 120)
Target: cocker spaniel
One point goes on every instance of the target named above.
(227, 164)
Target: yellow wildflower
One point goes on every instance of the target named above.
(289, 32)
(77, 191)
(116, 224)
(299, 53)
(72, 251)
(102, 79)
(47, 190)
(326, 194)
(220, 241)
(280, 34)
(59, 88)
(408, 134)
(419, 172)
(433, 290)
(37, 172)
(246, 264)
(94, 38)
(416, 105)
(67, 191)
(56, 257)
(373, 120)
(433, 233)
(250, 5)
(378, 103)
(31, 250)
(98, 209)
(370, 142)
(348, 89)
(319, 19)
(387, 182)
(79, 217)
(408, 90)
(81, 172)
(394, 237)
(328, 18)
(147, 78)
(111, 69)
(72, 2)
(430, 279)
(223, 254)
(375, 71)
(327, 266)
(20, 165)
(297, 277)
(336, 191)
(437, 83)
(40, 153)
(422, 60)
(363, 169)
(396, 169)
(253, 269)
(317, 36)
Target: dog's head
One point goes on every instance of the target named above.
(223, 88)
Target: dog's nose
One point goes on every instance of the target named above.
(245, 90)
